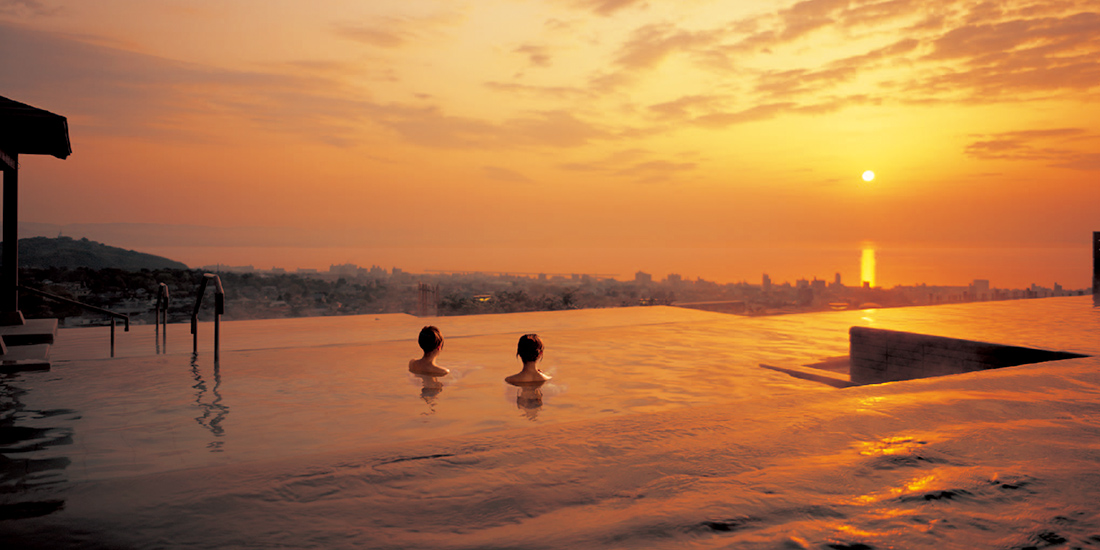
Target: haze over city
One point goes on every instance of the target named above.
(711, 139)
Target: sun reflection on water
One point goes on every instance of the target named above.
(889, 446)
(917, 484)
(867, 266)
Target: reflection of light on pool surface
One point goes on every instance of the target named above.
(668, 435)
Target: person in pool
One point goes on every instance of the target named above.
(530, 352)
(431, 341)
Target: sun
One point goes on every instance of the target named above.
(868, 175)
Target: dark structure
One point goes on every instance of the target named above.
(879, 355)
(1096, 268)
(24, 130)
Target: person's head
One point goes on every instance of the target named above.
(430, 339)
(530, 348)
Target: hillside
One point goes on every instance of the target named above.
(42, 252)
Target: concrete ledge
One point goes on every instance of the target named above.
(879, 355)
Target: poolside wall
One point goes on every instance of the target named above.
(879, 355)
(1096, 268)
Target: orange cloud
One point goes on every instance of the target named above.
(537, 56)
(1059, 147)
(380, 36)
(550, 92)
(635, 165)
(393, 32)
(605, 7)
(25, 7)
(504, 174)
(651, 44)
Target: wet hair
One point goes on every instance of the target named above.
(530, 347)
(430, 339)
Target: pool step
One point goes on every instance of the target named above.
(23, 358)
(32, 331)
(27, 346)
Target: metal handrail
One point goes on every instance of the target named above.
(113, 315)
(219, 309)
(164, 298)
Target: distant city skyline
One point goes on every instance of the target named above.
(345, 269)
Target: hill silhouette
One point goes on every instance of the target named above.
(66, 252)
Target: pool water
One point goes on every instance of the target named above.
(659, 429)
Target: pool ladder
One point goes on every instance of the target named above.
(219, 309)
(163, 299)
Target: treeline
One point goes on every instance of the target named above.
(66, 252)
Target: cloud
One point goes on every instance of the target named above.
(807, 16)
(550, 92)
(504, 174)
(801, 81)
(131, 94)
(612, 162)
(752, 114)
(25, 7)
(124, 93)
(952, 52)
(836, 103)
(948, 52)
(709, 111)
(1015, 59)
(687, 107)
(605, 7)
(375, 36)
(656, 171)
(607, 82)
(431, 127)
(537, 56)
(875, 13)
(785, 26)
(1019, 145)
(637, 165)
(920, 51)
(393, 32)
(1056, 146)
(556, 128)
(651, 44)
(979, 42)
(1084, 161)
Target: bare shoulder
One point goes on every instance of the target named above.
(527, 379)
(419, 366)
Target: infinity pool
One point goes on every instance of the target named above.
(658, 429)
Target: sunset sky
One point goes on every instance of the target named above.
(715, 139)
